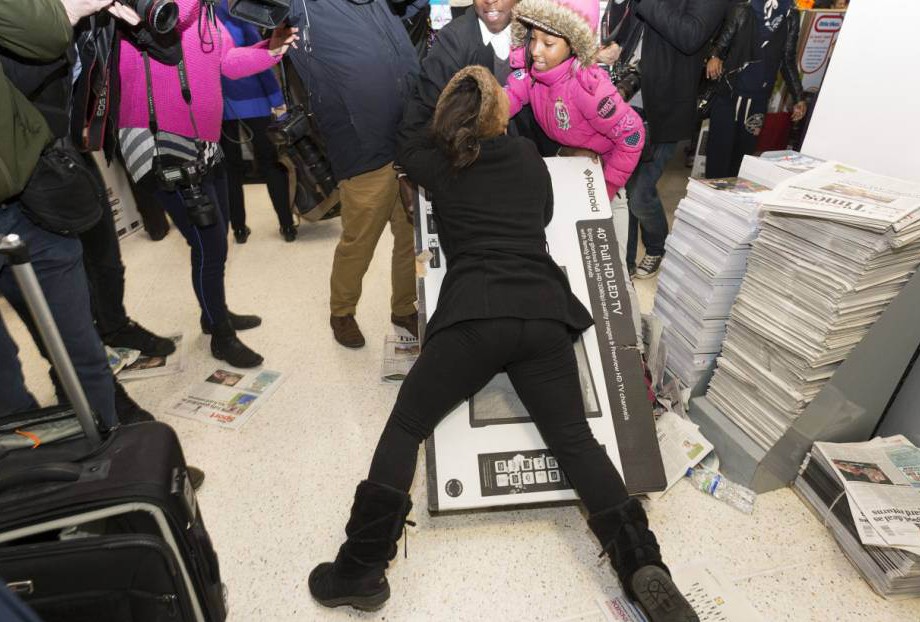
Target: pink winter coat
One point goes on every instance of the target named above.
(579, 107)
(204, 68)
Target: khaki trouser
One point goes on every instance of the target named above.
(369, 201)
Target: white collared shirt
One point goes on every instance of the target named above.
(501, 42)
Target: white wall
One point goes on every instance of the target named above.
(868, 112)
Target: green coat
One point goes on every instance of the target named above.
(37, 30)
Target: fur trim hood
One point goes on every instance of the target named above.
(493, 107)
(575, 20)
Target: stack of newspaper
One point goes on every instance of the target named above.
(868, 495)
(772, 168)
(705, 260)
(821, 271)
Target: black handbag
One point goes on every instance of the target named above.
(64, 195)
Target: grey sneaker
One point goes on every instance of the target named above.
(649, 266)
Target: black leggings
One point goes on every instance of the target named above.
(266, 156)
(540, 361)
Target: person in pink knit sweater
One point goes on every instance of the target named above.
(553, 69)
(187, 128)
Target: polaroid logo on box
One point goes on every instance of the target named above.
(592, 195)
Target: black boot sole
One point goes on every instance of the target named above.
(364, 603)
(207, 329)
(659, 597)
(220, 357)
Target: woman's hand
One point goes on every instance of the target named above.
(714, 68)
(574, 152)
(609, 54)
(798, 111)
(283, 37)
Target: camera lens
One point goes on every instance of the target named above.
(160, 15)
(164, 15)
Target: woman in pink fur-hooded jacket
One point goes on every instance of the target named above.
(573, 100)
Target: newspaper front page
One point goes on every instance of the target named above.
(227, 398)
(881, 479)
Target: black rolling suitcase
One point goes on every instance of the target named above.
(98, 526)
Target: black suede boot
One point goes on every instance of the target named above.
(623, 532)
(227, 347)
(357, 576)
(238, 322)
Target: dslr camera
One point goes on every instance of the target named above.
(159, 15)
(293, 133)
(186, 178)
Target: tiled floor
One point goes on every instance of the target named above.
(278, 491)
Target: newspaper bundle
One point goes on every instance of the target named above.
(814, 287)
(772, 168)
(881, 479)
(227, 397)
(705, 260)
(868, 496)
(856, 197)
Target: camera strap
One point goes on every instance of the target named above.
(186, 96)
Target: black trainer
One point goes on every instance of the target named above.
(237, 322)
(195, 476)
(134, 336)
(127, 409)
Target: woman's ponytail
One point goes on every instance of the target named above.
(455, 125)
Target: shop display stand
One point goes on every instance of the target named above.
(847, 409)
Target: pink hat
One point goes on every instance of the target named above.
(574, 20)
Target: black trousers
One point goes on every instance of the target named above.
(105, 271)
(733, 121)
(540, 361)
(266, 156)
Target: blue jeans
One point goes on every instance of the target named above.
(58, 264)
(645, 208)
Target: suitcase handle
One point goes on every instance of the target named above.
(51, 472)
(17, 255)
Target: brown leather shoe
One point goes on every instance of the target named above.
(346, 331)
(407, 322)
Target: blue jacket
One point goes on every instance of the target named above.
(255, 96)
(358, 64)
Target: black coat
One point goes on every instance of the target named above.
(357, 63)
(491, 219)
(458, 45)
(671, 67)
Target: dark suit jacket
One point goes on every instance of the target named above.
(458, 45)
(491, 219)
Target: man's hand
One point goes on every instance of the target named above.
(714, 68)
(798, 111)
(407, 191)
(283, 37)
(78, 9)
(124, 13)
(609, 54)
(572, 152)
